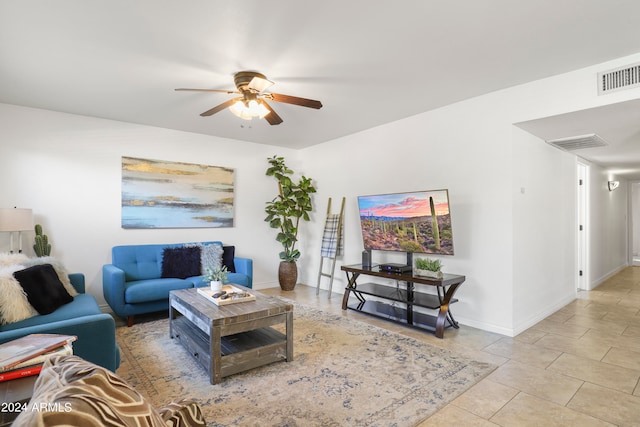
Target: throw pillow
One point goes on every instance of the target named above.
(227, 258)
(79, 393)
(60, 269)
(7, 259)
(211, 257)
(44, 290)
(14, 305)
(181, 262)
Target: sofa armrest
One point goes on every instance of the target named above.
(96, 337)
(244, 266)
(77, 280)
(113, 281)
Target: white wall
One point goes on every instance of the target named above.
(608, 226)
(635, 222)
(452, 148)
(512, 196)
(67, 168)
(544, 188)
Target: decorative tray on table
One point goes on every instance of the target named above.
(231, 295)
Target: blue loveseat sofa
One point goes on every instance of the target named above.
(134, 284)
(81, 317)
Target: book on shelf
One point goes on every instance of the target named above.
(15, 374)
(15, 352)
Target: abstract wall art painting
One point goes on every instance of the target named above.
(163, 194)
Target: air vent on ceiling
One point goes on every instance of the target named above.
(578, 142)
(625, 77)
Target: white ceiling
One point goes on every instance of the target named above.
(617, 124)
(369, 62)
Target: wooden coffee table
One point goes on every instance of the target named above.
(233, 338)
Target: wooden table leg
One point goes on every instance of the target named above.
(215, 374)
(289, 331)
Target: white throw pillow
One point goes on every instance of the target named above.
(7, 259)
(14, 305)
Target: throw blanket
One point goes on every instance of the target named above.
(332, 237)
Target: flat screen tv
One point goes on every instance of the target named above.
(414, 222)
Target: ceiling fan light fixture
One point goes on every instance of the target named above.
(252, 101)
(239, 109)
(249, 110)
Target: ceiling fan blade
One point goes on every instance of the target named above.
(288, 99)
(259, 84)
(220, 107)
(273, 118)
(208, 90)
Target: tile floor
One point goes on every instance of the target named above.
(578, 367)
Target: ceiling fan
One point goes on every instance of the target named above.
(252, 102)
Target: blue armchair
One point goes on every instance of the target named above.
(96, 331)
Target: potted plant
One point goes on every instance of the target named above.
(284, 212)
(428, 268)
(215, 277)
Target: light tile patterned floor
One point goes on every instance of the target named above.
(578, 367)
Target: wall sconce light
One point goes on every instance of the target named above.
(613, 185)
(15, 219)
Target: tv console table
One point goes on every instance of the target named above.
(405, 294)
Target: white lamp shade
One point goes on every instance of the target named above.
(16, 219)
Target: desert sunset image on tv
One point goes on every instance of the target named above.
(418, 222)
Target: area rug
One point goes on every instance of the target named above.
(344, 372)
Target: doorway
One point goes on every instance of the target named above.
(582, 250)
(635, 223)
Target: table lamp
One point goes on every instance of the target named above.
(16, 219)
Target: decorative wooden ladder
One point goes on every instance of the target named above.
(331, 244)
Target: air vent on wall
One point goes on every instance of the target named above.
(625, 77)
(578, 142)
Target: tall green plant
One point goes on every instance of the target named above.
(292, 203)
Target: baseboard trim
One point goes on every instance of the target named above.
(512, 332)
(594, 284)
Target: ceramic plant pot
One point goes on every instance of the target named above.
(216, 285)
(288, 275)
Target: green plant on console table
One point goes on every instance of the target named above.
(428, 264)
(292, 203)
(41, 246)
(428, 267)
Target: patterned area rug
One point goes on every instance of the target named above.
(344, 372)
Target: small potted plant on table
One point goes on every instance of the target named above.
(216, 276)
(427, 267)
